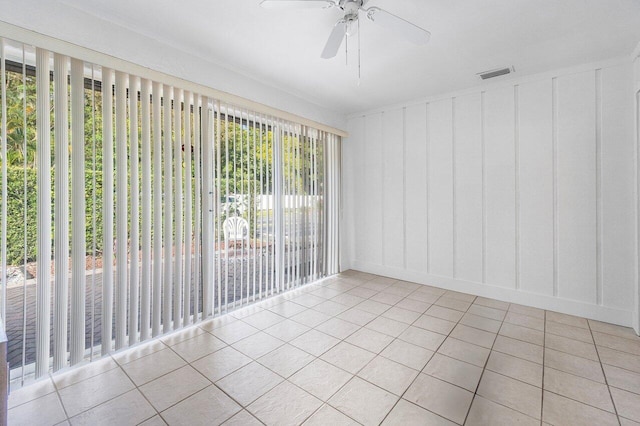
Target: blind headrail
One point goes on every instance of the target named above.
(63, 47)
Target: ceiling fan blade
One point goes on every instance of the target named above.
(335, 40)
(399, 26)
(297, 4)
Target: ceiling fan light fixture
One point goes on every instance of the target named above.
(352, 25)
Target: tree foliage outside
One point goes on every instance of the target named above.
(21, 98)
(244, 154)
(18, 224)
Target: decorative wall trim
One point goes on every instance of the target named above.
(484, 188)
(427, 185)
(516, 140)
(636, 101)
(599, 207)
(554, 143)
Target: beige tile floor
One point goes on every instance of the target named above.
(358, 349)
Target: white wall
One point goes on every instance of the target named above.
(523, 190)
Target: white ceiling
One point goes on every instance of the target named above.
(282, 47)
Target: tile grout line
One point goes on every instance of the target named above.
(159, 413)
(135, 387)
(475, 393)
(572, 374)
(606, 381)
(138, 388)
(284, 379)
(513, 378)
(64, 409)
(421, 372)
(353, 375)
(343, 340)
(118, 366)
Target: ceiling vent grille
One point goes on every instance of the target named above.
(495, 73)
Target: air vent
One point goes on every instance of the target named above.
(495, 73)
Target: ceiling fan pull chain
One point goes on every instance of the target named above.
(346, 49)
(359, 60)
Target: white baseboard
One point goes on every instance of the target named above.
(557, 304)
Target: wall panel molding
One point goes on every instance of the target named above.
(525, 187)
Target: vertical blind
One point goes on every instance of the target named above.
(131, 208)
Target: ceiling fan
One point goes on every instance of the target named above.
(349, 24)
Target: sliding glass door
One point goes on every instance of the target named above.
(130, 208)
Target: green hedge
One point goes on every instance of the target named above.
(15, 213)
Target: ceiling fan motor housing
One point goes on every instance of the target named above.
(351, 7)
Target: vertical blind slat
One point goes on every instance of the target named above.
(43, 285)
(271, 217)
(25, 207)
(145, 275)
(218, 223)
(188, 212)
(94, 202)
(121, 209)
(61, 137)
(157, 210)
(135, 213)
(261, 188)
(197, 207)
(178, 282)
(107, 208)
(78, 239)
(226, 192)
(207, 240)
(3, 171)
(278, 208)
(232, 205)
(254, 196)
(241, 202)
(288, 202)
(296, 206)
(168, 209)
